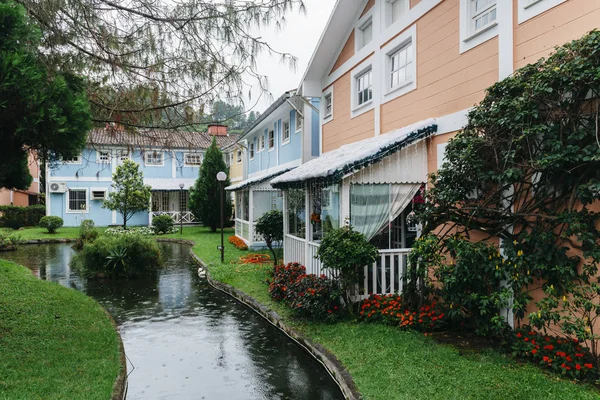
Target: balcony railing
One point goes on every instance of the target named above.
(185, 217)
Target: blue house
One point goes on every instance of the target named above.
(169, 160)
(286, 135)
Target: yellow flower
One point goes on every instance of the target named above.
(490, 257)
(552, 287)
(527, 272)
(514, 242)
(519, 253)
(564, 298)
(517, 274)
(450, 305)
(539, 314)
(496, 267)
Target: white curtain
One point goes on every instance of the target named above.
(372, 207)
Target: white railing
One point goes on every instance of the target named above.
(294, 249)
(186, 217)
(386, 274)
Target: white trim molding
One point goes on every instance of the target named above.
(407, 38)
(470, 38)
(154, 152)
(87, 201)
(325, 118)
(532, 8)
(365, 67)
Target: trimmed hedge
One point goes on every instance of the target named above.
(17, 217)
(51, 223)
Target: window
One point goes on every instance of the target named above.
(483, 14)
(183, 200)
(77, 200)
(285, 132)
(238, 156)
(400, 66)
(154, 158)
(271, 139)
(365, 33)
(251, 150)
(395, 10)
(296, 212)
(72, 160)
(123, 155)
(261, 142)
(531, 8)
(192, 159)
(230, 158)
(328, 105)
(364, 88)
(299, 121)
(103, 157)
(98, 194)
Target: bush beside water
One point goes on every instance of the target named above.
(162, 224)
(16, 217)
(123, 256)
(51, 223)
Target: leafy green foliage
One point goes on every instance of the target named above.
(87, 233)
(162, 224)
(16, 217)
(129, 194)
(51, 223)
(205, 195)
(124, 256)
(45, 113)
(392, 310)
(525, 169)
(270, 227)
(345, 252)
(9, 242)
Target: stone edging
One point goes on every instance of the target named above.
(119, 391)
(335, 368)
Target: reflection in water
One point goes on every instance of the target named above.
(187, 340)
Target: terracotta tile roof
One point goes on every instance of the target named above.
(172, 139)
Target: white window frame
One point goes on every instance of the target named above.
(95, 190)
(532, 8)
(238, 156)
(153, 152)
(355, 108)
(271, 139)
(87, 201)
(327, 117)
(285, 140)
(122, 155)
(403, 40)
(260, 142)
(299, 122)
(361, 24)
(388, 14)
(251, 150)
(77, 160)
(100, 160)
(186, 161)
(469, 38)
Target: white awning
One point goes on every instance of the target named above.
(332, 166)
(169, 183)
(263, 176)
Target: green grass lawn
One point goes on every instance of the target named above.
(385, 362)
(55, 342)
(30, 233)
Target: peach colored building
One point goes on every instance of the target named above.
(27, 197)
(396, 79)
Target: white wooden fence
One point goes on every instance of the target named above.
(185, 217)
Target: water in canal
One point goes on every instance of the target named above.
(186, 340)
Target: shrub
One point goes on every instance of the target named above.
(390, 309)
(237, 242)
(309, 296)
(9, 242)
(87, 233)
(16, 217)
(270, 227)
(162, 224)
(123, 256)
(51, 223)
(562, 355)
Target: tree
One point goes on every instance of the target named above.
(129, 194)
(45, 112)
(270, 226)
(205, 194)
(192, 52)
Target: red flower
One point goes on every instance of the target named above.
(577, 367)
(545, 358)
(519, 335)
(533, 351)
(589, 366)
(526, 339)
(569, 359)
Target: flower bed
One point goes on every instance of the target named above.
(237, 242)
(562, 355)
(389, 309)
(142, 230)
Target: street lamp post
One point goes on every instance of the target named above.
(180, 210)
(221, 176)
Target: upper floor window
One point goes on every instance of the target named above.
(103, 157)
(364, 88)
(251, 150)
(400, 66)
(365, 34)
(154, 158)
(123, 155)
(271, 139)
(395, 10)
(532, 8)
(238, 156)
(192, 159)
(261, 142)
(483, 14)
(328, 101)
(72, 160)
(285, 132)
(299, 121)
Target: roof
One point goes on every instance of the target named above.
(331, 167)
(169, 183)
(173, 139)
(274, 106)
(264, 176)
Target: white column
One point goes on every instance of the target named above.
(307, 231)
(345, 201)
(505, 39)
(251, 216)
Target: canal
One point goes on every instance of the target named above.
(186, 340)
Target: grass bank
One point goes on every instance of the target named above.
(31, 233)
(55, 343)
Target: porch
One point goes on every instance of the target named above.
(174, 203)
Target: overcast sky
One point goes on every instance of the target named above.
(299, 37)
